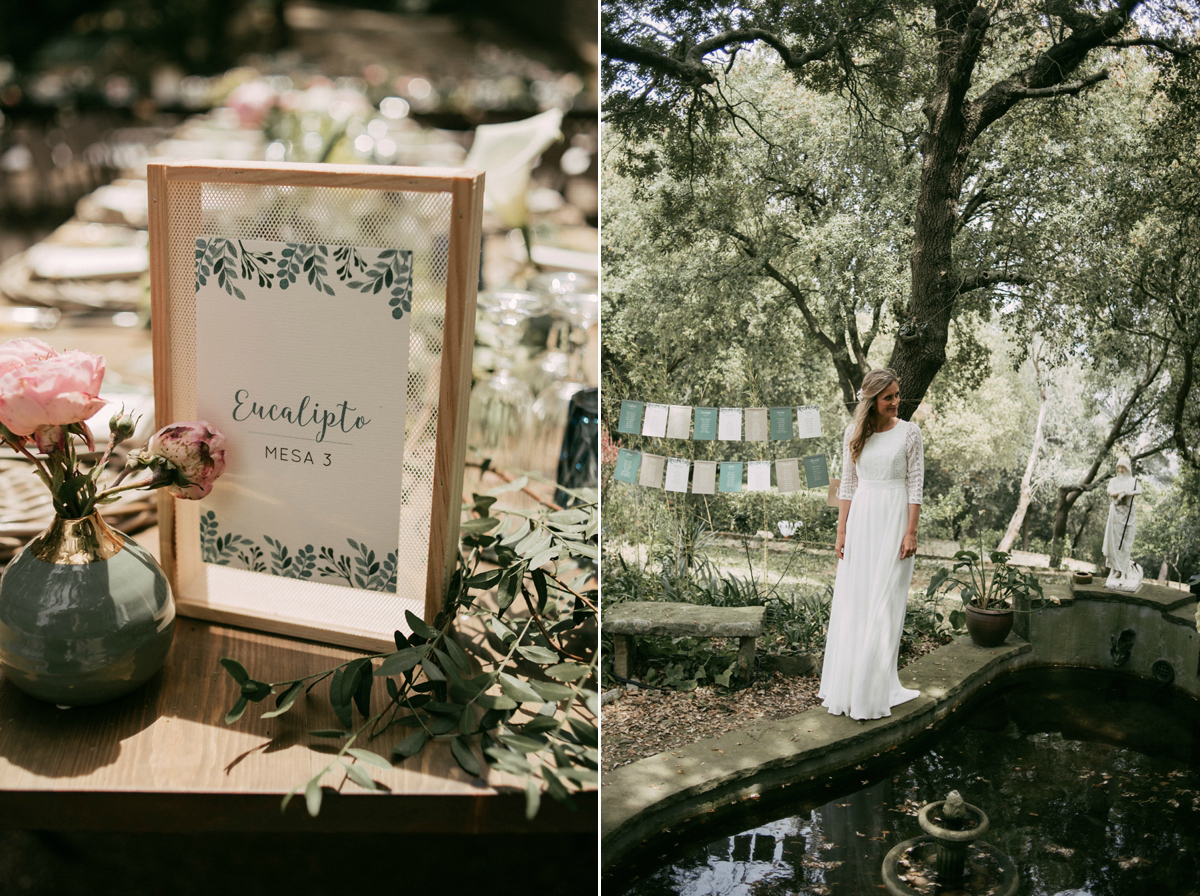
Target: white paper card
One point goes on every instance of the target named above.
(302, 363)
(756, 424)
(677, 474)
(729, 425)
(787, 474)
(679, 422)
(652, 470)
(655, 422)
(809, 419)
(758, 476)
(704, 477)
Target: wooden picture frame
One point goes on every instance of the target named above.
(435, 215)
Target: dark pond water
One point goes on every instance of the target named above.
(1091, 782)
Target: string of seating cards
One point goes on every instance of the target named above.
(707, 477)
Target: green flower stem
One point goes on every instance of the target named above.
(158, 480)
(38, 466)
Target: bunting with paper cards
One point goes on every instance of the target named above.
(628, 464)
(704, 477)
(679, 422)
(655, 422)
(630, 421)
(704, 424)
(709, 477)
(653, 467)
(731, 476)
(787, 474)
(705, 427)
(677, 474)
(781, 424)
(729, 425)
(758, 476)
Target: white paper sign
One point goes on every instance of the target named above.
(787, 474)
(809, 419)
(652, 470)
(679, 422)
(704, 477)
(758, 476)
(677, 474)
(729, 425)
(756, 424)
(312, 405)
(655, 422)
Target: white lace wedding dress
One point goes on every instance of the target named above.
(859, 677)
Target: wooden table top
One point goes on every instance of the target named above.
(163, 759)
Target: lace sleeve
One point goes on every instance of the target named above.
(849, 472)
(915, 452)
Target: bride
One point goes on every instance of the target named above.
(883, 471)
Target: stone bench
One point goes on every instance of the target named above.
(625, 621)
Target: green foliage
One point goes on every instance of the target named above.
(1006, 588)
(529, 710)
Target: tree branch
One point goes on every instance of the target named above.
(985, 279)
(689, 72)
(1037, 93)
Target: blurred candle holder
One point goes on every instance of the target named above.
(578, 458)
(501, 405)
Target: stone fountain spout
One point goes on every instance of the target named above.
(952, 830)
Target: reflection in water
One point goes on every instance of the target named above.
(1092, 784)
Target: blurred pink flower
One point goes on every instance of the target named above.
(196, 450)
(40, 387)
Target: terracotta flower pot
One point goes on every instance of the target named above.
(988, 628)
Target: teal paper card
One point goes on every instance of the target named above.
(704, 425)
(731, 476)
(630, 421)
(816, 471)
(781, 423)
(627, 465)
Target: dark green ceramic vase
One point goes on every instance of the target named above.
(86, 614)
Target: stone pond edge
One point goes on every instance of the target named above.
(643, 798)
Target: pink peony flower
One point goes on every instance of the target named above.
(40, 387)
(196, 450)
(19, 352)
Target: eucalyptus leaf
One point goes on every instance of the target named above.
(401, 660)
(523, 744)
(358, 775)
(285, 700)
(550, 691)
(518, 690)
(236, 669)
(568, 671)
(312, 796)
(461, 748)
(538, 654)
(369, 758)
(411, 745)
(239, 707)
(420, 626)
(496, 701)
(533, 799)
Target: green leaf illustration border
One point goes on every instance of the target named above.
(362, 568)
(231, 263)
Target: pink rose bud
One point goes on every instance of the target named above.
(196, 450)
(39, 387)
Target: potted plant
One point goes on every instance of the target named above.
(989, 600)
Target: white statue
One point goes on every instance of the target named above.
(1123, 573)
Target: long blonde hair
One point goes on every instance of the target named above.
(866, 418)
